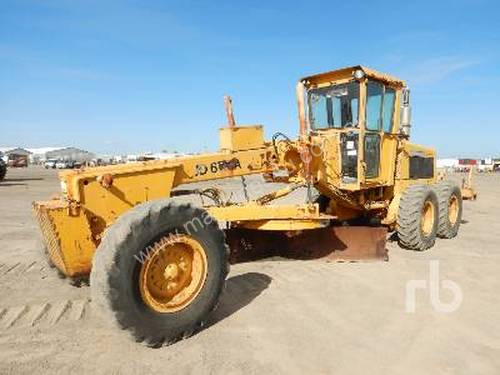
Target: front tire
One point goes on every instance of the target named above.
(159, 271)
(418, 218)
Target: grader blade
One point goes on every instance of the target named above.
(350, 244)
(353, 243)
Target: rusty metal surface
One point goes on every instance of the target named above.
(228, 105)
(352, 243)
(349, 243)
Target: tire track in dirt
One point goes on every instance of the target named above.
(46, 314)
(21, 268)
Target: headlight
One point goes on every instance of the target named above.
(358, 74)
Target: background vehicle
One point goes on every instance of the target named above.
(61, 164)
(17, 162)
(50, 164)
(65, 164)
(160, 264)
(3, 168)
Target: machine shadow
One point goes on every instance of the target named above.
(240, 291)
(23, 179)
(6, 183)
(393, 237)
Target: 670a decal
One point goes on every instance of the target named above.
(217, 166)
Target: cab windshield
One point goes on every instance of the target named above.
(334, 106)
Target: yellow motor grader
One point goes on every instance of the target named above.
(157, 265)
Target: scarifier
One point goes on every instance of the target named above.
(157, 266)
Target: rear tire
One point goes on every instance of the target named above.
(117, 277)
(418, 218)
(450, 208)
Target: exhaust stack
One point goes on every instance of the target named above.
(405, 124)
(228, 105)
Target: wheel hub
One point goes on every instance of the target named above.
(174, 273)
(171, 272)
(427, 220)
(453, 209)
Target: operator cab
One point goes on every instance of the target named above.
(361, 107)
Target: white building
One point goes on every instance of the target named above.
(447, 163)
(39, 154)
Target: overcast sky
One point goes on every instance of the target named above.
(131, 76)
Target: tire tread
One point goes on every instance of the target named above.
(409, 216)
(105, 273)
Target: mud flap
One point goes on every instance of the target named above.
(350, 243)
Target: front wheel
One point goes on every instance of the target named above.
(159, 271)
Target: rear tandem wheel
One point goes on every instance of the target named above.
(418, 218)
(450, 208)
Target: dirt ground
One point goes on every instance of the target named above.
(276, 316)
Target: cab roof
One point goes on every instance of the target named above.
(347, 72)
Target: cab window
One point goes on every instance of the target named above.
(379, 107)
(374, 94)
(334, 106)
(388, 110)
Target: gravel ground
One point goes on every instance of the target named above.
(276, 316)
